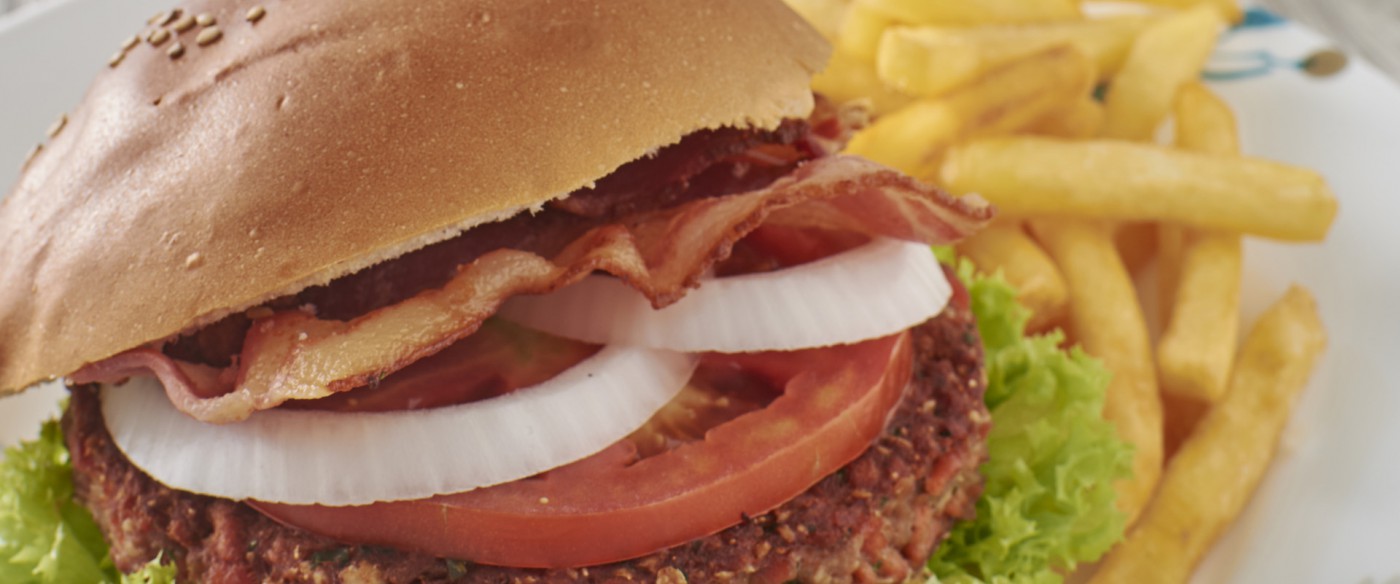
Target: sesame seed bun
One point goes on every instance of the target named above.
(216, 170)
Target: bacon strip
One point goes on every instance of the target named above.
(294, 355)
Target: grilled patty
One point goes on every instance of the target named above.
(876, 520)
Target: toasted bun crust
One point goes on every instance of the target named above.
(328, 136)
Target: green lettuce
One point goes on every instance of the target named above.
(152, 573)
(1049, 502)
(46, 537)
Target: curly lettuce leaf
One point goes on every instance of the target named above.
(46, 537)
(1049, 501)
(152, 573)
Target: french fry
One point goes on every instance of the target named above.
(1197, 347)
(1006, 248)
(1107, 321)
(825, 15)
(1119, 180)
(965, 13)
(1218, 468)
(1204, 122)
(861, 30)
(1196, 350)
(849, 78)
(929, 61)
(1169, 53)
(914, 138)
(1080, 120)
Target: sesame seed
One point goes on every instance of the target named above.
(159, 17)
(193, 260)
(33, 152)
(131, 42)
(544, 500)
(208, 36)
(116, 59)
(255, 14)
(168, 17)
(185, 23)
(58, 125)
(176, 50)
(205, 19)
(158, 37)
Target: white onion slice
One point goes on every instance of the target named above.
(868, 292)
(336, 458)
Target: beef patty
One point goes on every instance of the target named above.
(876, 520)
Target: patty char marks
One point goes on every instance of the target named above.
(876, 520)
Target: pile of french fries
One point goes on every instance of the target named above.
(1106, 156)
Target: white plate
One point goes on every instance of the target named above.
(1329, 510)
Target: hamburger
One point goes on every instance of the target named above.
(316, 274)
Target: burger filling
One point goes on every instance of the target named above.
(876, 519)
(743, 436)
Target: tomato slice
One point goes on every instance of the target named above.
(614, 505)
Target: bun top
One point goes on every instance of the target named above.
(318, 138)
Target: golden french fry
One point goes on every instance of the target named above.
(1220, 465)
(1204, 122)
(929, 61)
(861, 30)
(1170, 52)
(848, 78)
(913, 139)
(1107, 321)
(1082, 119)
(825, 15)
(1197, 347)
(1119, 180)
(964, 13)
(1228, 9)
(1005, 248)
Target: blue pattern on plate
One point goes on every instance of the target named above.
(1256, 17)
(1236, 65)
